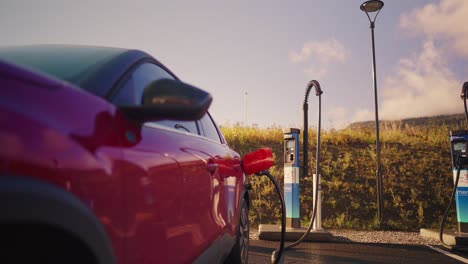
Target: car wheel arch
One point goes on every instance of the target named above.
(25, 200)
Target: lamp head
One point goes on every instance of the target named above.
(372, 6)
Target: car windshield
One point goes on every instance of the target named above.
(72, 65)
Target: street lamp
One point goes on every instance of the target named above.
(371, 7)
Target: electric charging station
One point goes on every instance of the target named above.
(294, 231)
(459, 148)
(459, 157)
(291, 177)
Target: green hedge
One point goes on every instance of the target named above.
(417, 175)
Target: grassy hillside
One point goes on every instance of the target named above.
(447, 120)
(417, 175)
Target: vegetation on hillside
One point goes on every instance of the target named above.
(417, 175)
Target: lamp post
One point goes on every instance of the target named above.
(371, 7)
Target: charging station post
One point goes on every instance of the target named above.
(291, 177)
(318, 218)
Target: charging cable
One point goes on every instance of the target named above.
(258, 162)
(276, 255)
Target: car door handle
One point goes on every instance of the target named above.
(212, 167)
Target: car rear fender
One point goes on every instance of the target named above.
(27, 200)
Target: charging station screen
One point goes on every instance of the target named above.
(459, 146)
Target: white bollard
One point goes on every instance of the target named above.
(318, 217)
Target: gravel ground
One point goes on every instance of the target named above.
(384, 237)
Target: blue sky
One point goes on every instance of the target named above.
(272, 49)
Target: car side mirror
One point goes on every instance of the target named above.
(257, 161)
(170, 99)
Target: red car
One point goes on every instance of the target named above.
(106, 157)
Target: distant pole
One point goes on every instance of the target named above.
(245, 108)
(369, 7)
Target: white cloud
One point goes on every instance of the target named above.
(423, 85)
(316, 72)
(325, 51)
(338, 113)
(337, 117)
(363, 115)
(446, 21)
(319, 55)
(341, 117)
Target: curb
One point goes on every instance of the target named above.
(449, 235)
(273, 232)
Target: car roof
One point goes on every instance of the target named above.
(96, 69)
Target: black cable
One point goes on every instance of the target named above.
(444, 218)
(466, 111)
(276, 256)
(305, 137)
(305, 108)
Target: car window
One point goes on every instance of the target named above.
(131, 93)
(209, 128)
(187, 126)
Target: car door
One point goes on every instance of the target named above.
(216, 219)
(168, 183)
(230, 172)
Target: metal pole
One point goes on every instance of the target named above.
(316, 180)
(377, 133)
(245, 109)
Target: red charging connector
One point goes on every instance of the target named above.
(257, 161)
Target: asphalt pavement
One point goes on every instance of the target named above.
(350, 252)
